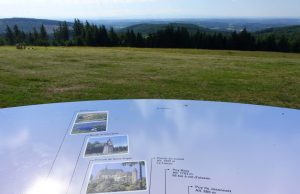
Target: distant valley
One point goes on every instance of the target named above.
(150, 26)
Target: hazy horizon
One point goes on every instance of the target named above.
(150, 9)
(159, 19)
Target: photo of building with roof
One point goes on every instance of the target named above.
(117, 177)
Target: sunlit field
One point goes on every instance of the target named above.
(59, 74)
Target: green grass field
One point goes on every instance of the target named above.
(57, 74)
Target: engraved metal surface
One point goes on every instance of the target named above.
(185, 147)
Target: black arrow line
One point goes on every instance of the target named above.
(150, 175)
(61, 144)
(86, 174)
(189, 189)
(166, 180)
(76, 163)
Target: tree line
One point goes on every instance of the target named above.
(86, 34)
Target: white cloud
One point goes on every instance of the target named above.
(15, 141)
(74, 8)
(71, 2)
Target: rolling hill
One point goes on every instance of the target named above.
(148, 28)
(27, 24)
(252, 25)
(291, 32)
(219, 24)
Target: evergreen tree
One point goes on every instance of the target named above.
(102, 36)
(234, 41)
(296, 45)
(130, 38)
(113, 37)
(242, 41)
(78, 33)
(198, 40)
(65, 31)
(36, 36)
(30, 39)
(270, 43)
(182, 38)
(17, 34)
(283, 44)
(2, 42)
(62, 34)
(43, 36)
(140, 41)
(247, 41)
(23, 36)
(9, 36)
(89, 38)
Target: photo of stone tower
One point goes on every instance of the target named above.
(134, 176)
(108, 147)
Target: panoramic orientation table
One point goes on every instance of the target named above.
(149, 147)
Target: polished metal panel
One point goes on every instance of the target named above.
(187, 146)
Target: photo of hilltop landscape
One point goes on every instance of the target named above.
(117, 177)
(90, 122)
(91, 116)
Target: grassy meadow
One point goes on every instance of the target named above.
(58, 74)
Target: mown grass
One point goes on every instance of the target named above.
(57, 74)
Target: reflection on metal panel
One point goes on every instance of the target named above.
(149, 147)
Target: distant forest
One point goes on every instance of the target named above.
(86, 34)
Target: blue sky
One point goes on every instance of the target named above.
(117, 140)
(134, 9)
